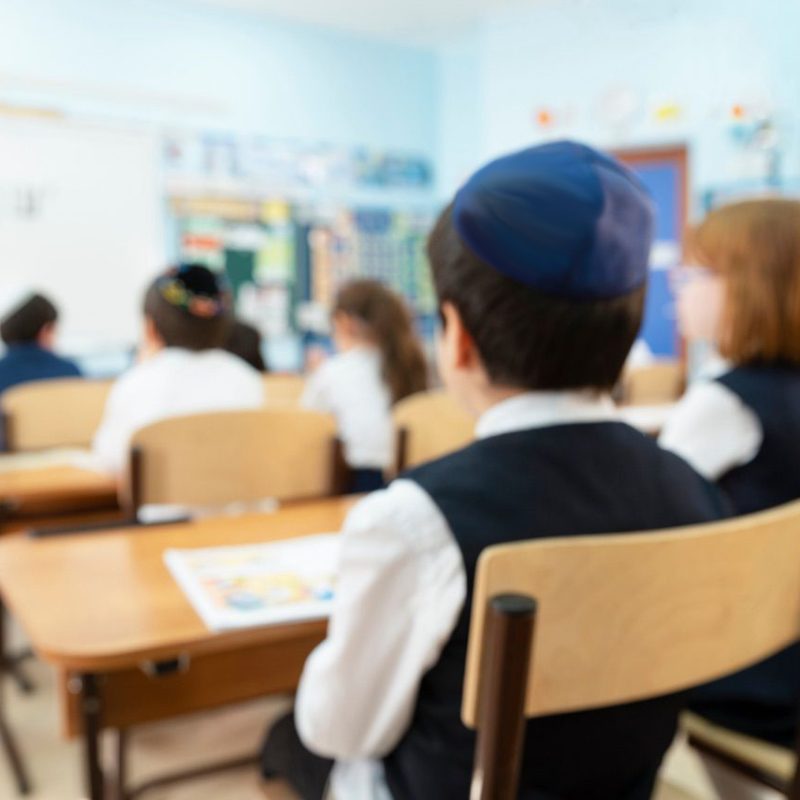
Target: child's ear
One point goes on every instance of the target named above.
(47, 336)
(459, 346)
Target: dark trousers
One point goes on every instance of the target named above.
(283, 755)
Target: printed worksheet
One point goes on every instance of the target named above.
(264, 584)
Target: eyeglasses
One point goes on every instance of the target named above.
(686, 274)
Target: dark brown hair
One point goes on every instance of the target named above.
(389, 324)
(245, 341)
(179, 327)
(755, 246)
(526, 339)
(26, 323)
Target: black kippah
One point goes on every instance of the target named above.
(199, 280)
(195, 289)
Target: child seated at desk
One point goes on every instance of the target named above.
(182, 368)
(540, 266)
(739, 424)
(379, 362)
(28, 330)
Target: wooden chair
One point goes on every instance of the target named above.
(763, 762)
(710, 600)
(662, 382)
(283, 389)
(55, 413)
(212, 460)
(429, 425)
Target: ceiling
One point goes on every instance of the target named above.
(415, 20)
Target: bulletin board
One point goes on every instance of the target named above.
(664, 172)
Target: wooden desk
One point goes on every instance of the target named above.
(54, 491)
(105, 611)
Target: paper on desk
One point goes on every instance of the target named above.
(264, 584)
(59, 457)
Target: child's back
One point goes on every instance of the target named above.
(350, 386)
(518, 482)
(379, 363)
(185, 371)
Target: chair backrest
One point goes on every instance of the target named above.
(212, 460)
(283, 389)
(64, 412)
(621, 618)
(662, 382)
(430, 424)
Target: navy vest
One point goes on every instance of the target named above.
(763, 701)
(565, 480)
(772, 478)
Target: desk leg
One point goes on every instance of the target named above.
(7, 737)
(121, 778)
(91, 715)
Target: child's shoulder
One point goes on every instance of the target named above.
(335, 366)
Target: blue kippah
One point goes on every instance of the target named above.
(561, 218)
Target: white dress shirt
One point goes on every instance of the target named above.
(711, 428)
(172, 383)
(401, 588)
(351, 387)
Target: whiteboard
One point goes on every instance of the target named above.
(81, 219)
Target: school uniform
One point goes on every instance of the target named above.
(742, 430)
(23, 363)
(174, 382)
(382, 695)
(350, 386)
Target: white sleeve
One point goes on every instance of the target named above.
(713, 430)
(400, 591)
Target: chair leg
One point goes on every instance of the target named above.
(507, 647)
(6, 736)
(121, 771)
(14, 663)
(14, 759)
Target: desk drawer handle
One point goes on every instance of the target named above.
(169, 666)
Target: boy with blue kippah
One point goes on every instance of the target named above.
(540, 266)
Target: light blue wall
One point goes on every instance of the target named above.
(577, 58)
(474, 96)
(194, 66)
(460, 131)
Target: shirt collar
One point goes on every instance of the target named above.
(543, 409)
(26, 348)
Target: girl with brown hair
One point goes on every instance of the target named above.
(379, 361)
(740, 427)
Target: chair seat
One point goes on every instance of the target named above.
(761, 756)
(278, 790)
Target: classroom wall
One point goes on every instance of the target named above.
(189, 65)
(603, 69)
(124, 72)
